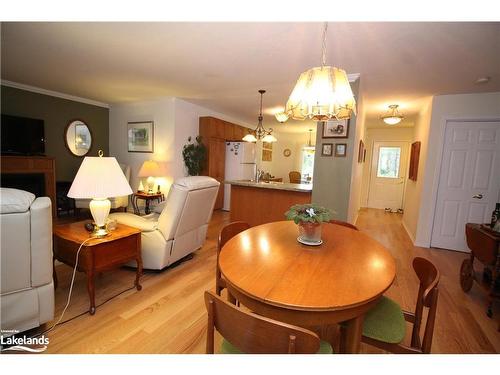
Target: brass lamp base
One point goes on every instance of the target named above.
(99, 232)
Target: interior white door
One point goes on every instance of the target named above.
(469, 181)
(388, 174)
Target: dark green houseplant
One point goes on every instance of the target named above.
(195, 155)
(309, 218)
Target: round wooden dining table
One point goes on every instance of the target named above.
(275, 276)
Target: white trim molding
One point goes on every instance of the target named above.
(56, 94)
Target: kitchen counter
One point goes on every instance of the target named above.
(265, 202)
(301, 188)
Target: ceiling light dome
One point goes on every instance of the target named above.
(392, 117)
(321, 93)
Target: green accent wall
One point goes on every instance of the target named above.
(332, 175)
(57, 113)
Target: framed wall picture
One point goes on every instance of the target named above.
(327, 149)
(267, 145)
(340, 149)
(414, 159)
(267, 155)
(140, 136)
(361, 151)
(336, 129)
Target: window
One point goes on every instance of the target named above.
(307, 163)
(388, 162)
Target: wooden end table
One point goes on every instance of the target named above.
(148, 198)
(98, 254)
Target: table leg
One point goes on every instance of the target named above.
(352, 336)
(147, 210)
(91, 290)
(134, 205)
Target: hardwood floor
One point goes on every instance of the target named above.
(168, 315)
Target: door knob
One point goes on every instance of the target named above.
(478, 196)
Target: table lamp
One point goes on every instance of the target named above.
(150, 169)
(98, 179)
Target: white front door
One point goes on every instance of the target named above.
(469, 181)
(388, 174)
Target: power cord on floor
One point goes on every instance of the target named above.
(23, 348)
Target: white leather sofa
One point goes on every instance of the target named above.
(178, 226)
(27, 290)
(116, 202)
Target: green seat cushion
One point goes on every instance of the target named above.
(385, 322)
(228, 348)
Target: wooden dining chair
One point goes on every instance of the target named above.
(294, 177)
(226, 233)
(384, 326)
(248, 333)
(344, 223)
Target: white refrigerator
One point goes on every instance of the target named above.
(240, 165)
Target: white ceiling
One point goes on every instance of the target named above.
(222, 65)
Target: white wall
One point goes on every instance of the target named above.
(174, 121)
(357, 168)
(160, 111)
(280, 165)
(413, 189)
(447, 107)
(379, 134)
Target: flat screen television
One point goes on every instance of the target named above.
(22, 136)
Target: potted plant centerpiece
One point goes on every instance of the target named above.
(309, 218)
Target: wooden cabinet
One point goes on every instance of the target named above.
(239, 132)
(229, 131)
(214, 133)
(216, 166)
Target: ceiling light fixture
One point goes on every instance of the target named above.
(260, 133)
(281, 117)
(321, 93)
(392, 117)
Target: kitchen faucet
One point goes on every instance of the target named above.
(258, 174)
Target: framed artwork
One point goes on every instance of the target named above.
(340, 149)
(336, 129)
(327, 149)
(361, 151)
(414, 159)
(140, 136)
(267, 145)
(267, 155)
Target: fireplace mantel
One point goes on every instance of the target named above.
(34, 164)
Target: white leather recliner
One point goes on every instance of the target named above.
(178, 226)
(116, 202)
(27, 289)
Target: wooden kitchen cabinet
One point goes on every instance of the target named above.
(214, 134)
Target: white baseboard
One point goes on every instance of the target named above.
(412, 238)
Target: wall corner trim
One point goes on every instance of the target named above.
(56, 94)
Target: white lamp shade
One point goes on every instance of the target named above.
(281, 116)
(249, 138)
(150, 168)
(99, 177)
(321, 93)
(269, 138)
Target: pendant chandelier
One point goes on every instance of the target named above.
(320, 94)
(260, 133)
(392, 117)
